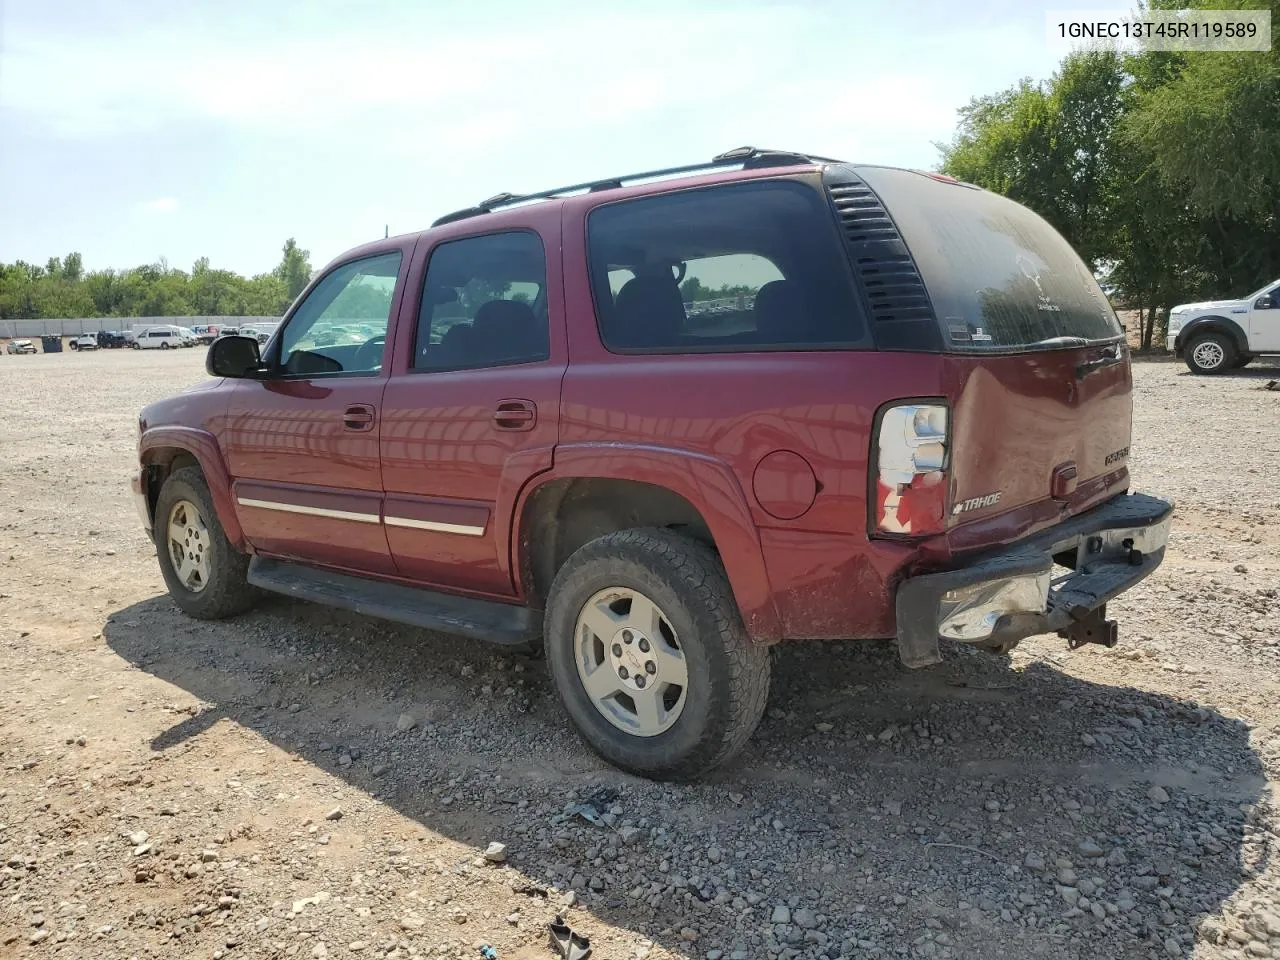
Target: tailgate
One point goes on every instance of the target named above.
(1037, 437)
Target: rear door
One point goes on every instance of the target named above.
(472, 410)
(302, 440)
(1036, 369)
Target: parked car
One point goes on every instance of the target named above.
(897, 438)
(1221, 335)
(87, 341)
(161, 338)
(111, 339)
(20, 346)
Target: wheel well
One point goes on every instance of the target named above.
(563, 515)
(1223, 328)
(158, 465)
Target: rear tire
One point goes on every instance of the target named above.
(697, 683)
(164, 345)
(1211, 353)
(207, 577)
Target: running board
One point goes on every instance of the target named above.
(501, 623)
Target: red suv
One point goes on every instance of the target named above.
(658, 423)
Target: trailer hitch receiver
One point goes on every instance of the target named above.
(1092, 627)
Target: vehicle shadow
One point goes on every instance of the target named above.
(927, 807)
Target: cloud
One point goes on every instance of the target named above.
(161, 205)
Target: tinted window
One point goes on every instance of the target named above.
(997, 274)
(484, 303)
(739, 267)
(341, 327)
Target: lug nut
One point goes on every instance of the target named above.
(626, 636)
(644, 646)
(640, 683)
(650, 667)
(622, 672)
(617, 649)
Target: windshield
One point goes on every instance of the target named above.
(999, 277)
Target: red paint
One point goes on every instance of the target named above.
(772, 449)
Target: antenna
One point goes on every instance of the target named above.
(386, 231)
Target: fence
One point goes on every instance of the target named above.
(74, 326)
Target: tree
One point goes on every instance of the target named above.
(294, 269)
(1049, 146)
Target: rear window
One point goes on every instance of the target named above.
(737, 267)
(998, 275)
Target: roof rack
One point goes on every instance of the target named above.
(748, 158)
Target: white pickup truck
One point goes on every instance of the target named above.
(1224, 335)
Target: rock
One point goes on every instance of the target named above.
(1088, 739)
(356, 946)
(688, 935)
(496, 852)
(1098, 910)
(334, 814)
(781, 914)
(139, 837)
(630, 835)
(992, 806)
(1034, 861)
(715, 855)
(1090, 848)
(1158, 795)
(1172, 947)
(412, 922)
(1117, 858)
(1069, 894)
(406, 722)
(208, 856)
(1256, 948)
(893, 808)
(805, 918)
(1066, 876)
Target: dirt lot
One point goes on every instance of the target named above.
(304, 783)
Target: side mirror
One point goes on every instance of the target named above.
(1267, 302)
(235, 357)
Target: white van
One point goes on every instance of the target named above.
(160, 338)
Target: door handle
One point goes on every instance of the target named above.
(358, 416)
(515, 415)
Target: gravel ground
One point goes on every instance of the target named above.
(303, 783)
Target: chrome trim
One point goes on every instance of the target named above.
(466, 529)
(308, 511)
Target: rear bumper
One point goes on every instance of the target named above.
(1002, 596)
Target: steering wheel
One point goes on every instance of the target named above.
(369, 356)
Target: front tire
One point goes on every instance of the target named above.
(1211, 353)
(207, 577)
(649, 655)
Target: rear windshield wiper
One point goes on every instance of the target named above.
(1054, 342)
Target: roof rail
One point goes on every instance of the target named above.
(748, 158)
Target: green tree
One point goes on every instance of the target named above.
(294, 268)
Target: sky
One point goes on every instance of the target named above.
(140, 130)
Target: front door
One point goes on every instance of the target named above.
(471, 410)
(1264, 322)
(302, 440)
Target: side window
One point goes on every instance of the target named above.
(730, 268)
(484, 304)
(341, 328)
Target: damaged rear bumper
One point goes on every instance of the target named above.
(1000, 597)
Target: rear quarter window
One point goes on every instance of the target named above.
(998, 275)
(730, 268)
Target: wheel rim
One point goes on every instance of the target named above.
(1208, 355)
(630, 662)
(189, 542)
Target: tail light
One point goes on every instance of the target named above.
(911, 485)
